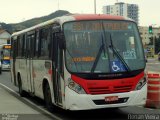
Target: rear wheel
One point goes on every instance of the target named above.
(47, 97)
(0, 70)
(21, 91)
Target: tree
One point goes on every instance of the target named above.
(157, 43)
(150, 41)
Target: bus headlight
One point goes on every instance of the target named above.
(76, 87)
(141, 83)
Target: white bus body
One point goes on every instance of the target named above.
(40, 65)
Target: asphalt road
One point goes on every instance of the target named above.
(153, 65)
(127, 113)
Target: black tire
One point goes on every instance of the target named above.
(47, 97)
(21, 91)
(0, 70)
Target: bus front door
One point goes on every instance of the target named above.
(57, 63)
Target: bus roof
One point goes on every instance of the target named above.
(97, 17)
(4, 44)
(74, 17)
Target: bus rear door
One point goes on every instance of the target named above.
(29, 61)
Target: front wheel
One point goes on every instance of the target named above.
(47, 97)
(21, 91)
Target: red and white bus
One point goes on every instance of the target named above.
(80, 62)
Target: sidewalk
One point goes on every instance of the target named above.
(11, 108)
(11, 104)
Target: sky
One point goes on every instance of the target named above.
(14, 11)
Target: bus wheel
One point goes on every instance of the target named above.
(21, 91)
(47, 97)
(0, 70)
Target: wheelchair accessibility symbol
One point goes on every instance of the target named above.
(117, 66)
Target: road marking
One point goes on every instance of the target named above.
(146, 108)
(141, 106)
(9, 89)
(25, 99)
(150, 109)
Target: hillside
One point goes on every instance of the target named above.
(28, 23)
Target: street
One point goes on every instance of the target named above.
(13, 105)
(153, 65)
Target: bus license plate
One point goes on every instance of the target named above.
(111, 98)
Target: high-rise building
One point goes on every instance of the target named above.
(123, 9)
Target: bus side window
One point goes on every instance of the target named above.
(19, 46)
(31, 45)
(14, 47)
(34, 38)
(49, 46)
(44, 42)
(37, 44)
(23, 44)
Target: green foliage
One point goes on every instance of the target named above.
(150, 41)
(157, 43)
(7, 27)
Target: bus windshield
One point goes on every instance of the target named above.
(6, 50)
(103, 46)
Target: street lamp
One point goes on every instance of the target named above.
(58, 4)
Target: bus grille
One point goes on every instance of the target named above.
(109, 90)
(103, 90)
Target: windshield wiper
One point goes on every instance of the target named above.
(102, 48)
(118, 55)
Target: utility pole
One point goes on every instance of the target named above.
(58, 4)
(152, 36)
(94, 6)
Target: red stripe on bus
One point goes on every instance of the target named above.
(97, 17)
(108, 86)
(50, 71)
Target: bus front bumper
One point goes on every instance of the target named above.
(6, 67)
(75, 101)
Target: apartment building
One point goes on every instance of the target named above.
(123, 9)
